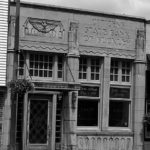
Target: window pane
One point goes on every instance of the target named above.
(95, 68)
(119, 114)
(87, 113)
(60, 67)
(82, 68)
(38, 121)
(126, 71)
(114, 70)
(40, 65)
(21, 64)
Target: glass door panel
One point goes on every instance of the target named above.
(38, 122)
(39, 130)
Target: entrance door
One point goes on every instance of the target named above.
(39, 128)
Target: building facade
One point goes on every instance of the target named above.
(88, 71)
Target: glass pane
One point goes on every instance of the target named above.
(111, 77)
(97, 76)
(92, 76)
(38, 121)
(59, 74)
(119, 92)
(50, 73)
(31, 72)
(41, 64)
(87, 113)
(84, 75)
(80, 77)
(31, 64)
(36, 73)
(45, 66)
(41, 73)
(116, 78)
(119, 113)
(45, 73)
(123, 78)
(21, 71)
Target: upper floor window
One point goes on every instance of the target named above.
(41, 65)
(120, 71)
(89, 69)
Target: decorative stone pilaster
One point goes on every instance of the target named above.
(73, 53)
(70, 118)
(106, 85)
(139, 90)
(70, 102)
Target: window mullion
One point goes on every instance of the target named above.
(88, 69)
(27, 65)
(55, 68)
(119, 71)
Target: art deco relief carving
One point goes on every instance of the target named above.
(140, 39)
(73, 39)
(104, 143)
(110, 33)
(44, 28)
(140, 45)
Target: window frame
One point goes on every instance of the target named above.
(98, 99)
(26, 67)
(129, 101)
(120, 84)
(119, 81)
(88, 69)
(86, 98)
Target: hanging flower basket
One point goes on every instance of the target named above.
(147, 119)
(20, 86)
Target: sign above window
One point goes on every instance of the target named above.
(89, 91)
(119, 92)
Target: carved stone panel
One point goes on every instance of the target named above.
(43, 28)
(104, 143)
(107, 32)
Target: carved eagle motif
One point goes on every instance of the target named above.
(44, 25)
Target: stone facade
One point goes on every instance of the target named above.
(85, 66)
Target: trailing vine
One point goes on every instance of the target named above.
(20, 86)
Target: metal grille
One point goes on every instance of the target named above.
(19, 119)
(38, 121)
(58, 123)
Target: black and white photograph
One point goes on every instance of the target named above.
(75, 75)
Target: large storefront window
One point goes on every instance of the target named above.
(89, 93)
(87, 113)
(119, 114)
(88, 106)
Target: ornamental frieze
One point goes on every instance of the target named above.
(44, 28)
(104, 142)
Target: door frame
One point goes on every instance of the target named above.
(25, 116)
